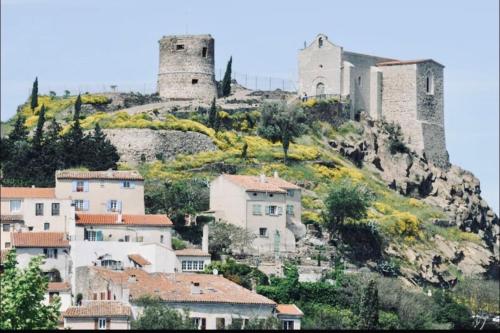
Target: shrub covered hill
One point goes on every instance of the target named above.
(426, 224)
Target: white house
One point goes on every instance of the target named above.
(98, 315)
(60, 289)
(269, 207)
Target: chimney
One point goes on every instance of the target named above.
(262, 178)
(119, 218)
(204, 240)
(276, 174)
(195, 288)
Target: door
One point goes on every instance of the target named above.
(320, 89)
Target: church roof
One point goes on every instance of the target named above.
(407, 62)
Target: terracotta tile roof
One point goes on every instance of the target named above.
(289, 309)
(11, 218)
(109, 175)
(112, 219)
(406, 62)
(59, 286)
(39, 239)
(138, 259)
(99, 309)
(177, 287)
(254, 183)
(192, 253)
(27, 192)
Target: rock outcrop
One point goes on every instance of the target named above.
(135, 145)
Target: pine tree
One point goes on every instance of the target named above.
(102, 154)
(212, 114)
(78, 108)
(34, 94)
(37, 138)
(368, 308)
(226, 81)
(19, 133)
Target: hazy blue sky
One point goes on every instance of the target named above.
(95, 42)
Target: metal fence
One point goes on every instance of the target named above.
(259, 82)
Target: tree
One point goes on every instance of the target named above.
(66, 93)
(22, 295)
(346, 200)
(34, 94)
(224, 237)
(212, 114)
(447, 310)
(78, 108)
(104, 154)
(74, 148)
(281, 122)
(19, 132)
(52, 94)
(368, 308)
(256, 324)
(157, 316)
(38, 137)
(241, 274)
(226, 81)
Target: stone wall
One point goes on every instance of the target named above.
(131, 143)
(186, 68)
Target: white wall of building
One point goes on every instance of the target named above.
(63, 263)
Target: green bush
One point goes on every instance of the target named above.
(178, 244)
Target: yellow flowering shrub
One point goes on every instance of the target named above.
(415, 203)
(383, 208)
(407, 225)
(31, 121)
(310, 216)
(311, 203)
(311, 102)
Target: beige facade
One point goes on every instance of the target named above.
(95, 193)
(272, 214)
(89, 323)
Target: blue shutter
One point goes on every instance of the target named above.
(73, 186)
(108, 206)
(98, 236)
(85, 205)
(86, 186)
(119, 206)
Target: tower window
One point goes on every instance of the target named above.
(429, 84)
(179, 47)
(320, 42)
(320, 66)
(204, 52)
(194, 81)
(359, 81)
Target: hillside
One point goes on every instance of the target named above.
(427, 224)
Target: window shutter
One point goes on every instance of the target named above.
(55, 253)
(268, 209)
(122, 184)
(98, 236)
(85, 234)
(85, 205)
(73, 186)
(119, 206)
(108, 206)
(45, 251)
(86, 186)
(132, 185)
(280, 210)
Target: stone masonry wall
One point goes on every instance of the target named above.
(131, 143)
(186, 68)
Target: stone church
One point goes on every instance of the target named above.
(409, 93)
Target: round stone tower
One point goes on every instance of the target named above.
(187, 67)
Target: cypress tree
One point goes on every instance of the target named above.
(78, 108)
(368, 308)
(19, 133)
(37, 138)
(34, 94)
(226, 81)
(212, 114)
(102, 155)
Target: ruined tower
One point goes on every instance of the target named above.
(187, 67)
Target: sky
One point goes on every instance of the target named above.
(88, 44)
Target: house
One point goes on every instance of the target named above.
(54, 246)
(98, 315)
(213, 301)
(60, 289)
(192, 259)
(33, 209)
(269, 207)
(289, 315)
(102, 191)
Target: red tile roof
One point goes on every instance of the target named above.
(138, 259)
(112, 219)
(406, 62)
(91, 309)
(11, 218)
(289, 309)
(177, 287)
(59, 286)
(191, 253)
(27, 192)
(39, 239)
(109, 175)
(254, 183)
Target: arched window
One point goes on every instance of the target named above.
(320, 42)
(429, 84)
(320, 89)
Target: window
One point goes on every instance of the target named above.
(113, 206)
(15, 206)
(46, 226)
(101, 323)
(288, 325)
(161, 239)
(194, 81)
(359, 81)
(254, 194)
(184, 265)
(271, 195)
(80, 185)
(6, 227)
(189, 265)
(200, 323)
(103, 295)
(39, 209)
(257, 209)
(7, 245)
(320, 42)
(204, 52)
(179, 47)
(429, 84)
(55, 209)
(290, 193)
(50, 253)
(127, 184)
(110, 263)
(289, 210)
(263, 232)
(81, 205)
(93, 235)
(320, 66)
(220, 323)
(237, 323)
(30, 228)
(195, 265)
(273, 210)
(201, 265)
(127, 238)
